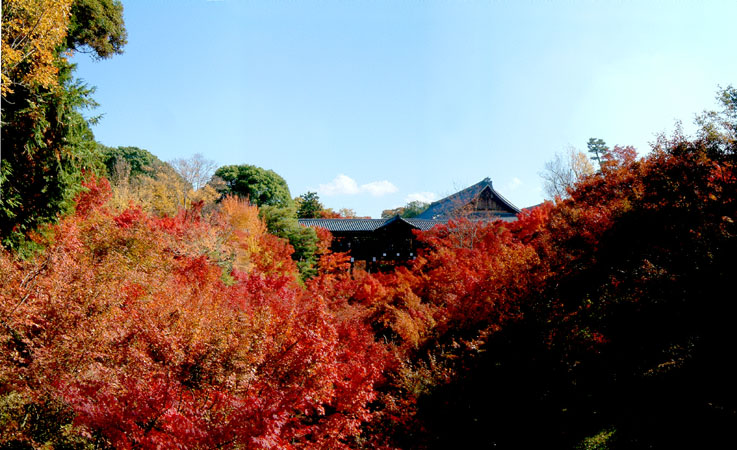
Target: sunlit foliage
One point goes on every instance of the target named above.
(126, 326)
(600, 319)
(47, 145)
(32, 31)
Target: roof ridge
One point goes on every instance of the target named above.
(501, 197)
(447, 205)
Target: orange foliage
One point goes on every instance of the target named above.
(245, 234)
(126, 321)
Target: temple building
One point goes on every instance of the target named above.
(374, 242)
(477, 202)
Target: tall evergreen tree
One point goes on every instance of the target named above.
(599, 149)
(48, 146)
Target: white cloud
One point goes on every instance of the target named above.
(425, 197)
(342, 184)
(379, 188)
(345, 185)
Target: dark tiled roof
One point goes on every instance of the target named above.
(438, 212)
(443, 209)
(344, 224)
(424, 224)
(366, 224)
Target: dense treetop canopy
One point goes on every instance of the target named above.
(48, 146)
(97, 26)
(309, 206)
(260, 186)
(139, 161)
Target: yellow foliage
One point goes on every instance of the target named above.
(246, 230)
(32, 30)
(206, 194)
(242, 238)
(413, 319)
(580, 164)
(163, 194)
(123, 196)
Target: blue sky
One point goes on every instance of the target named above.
(372, 103)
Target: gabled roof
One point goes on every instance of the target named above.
(366, 224)
(438, 212)
(344, 224)
(424, 224)
(449, 207)
(420, 224)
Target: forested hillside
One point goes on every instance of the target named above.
(146, 304)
